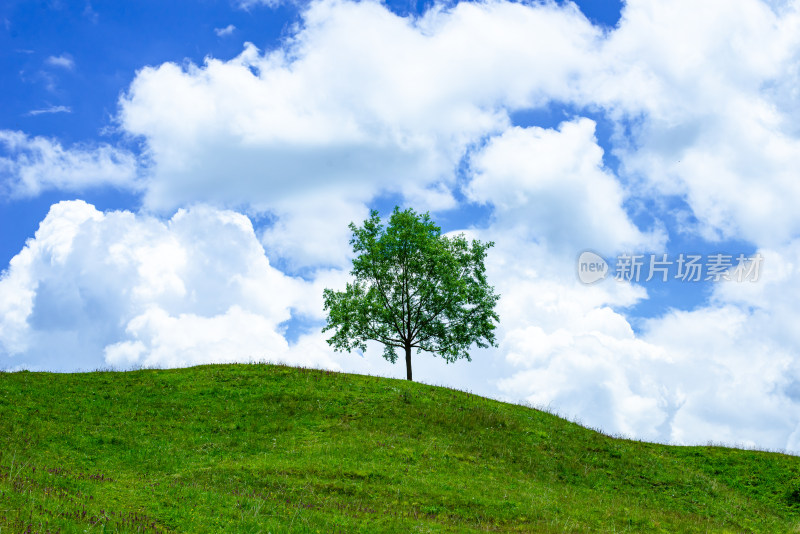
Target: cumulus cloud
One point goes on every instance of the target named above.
(725, 372)
(566, 345)
(713, 119)
(116, 289)
(359, 102)
(313, 230)
(32, 165)
(385, 116)
(735, 359)
(701, 116)
(552, 183)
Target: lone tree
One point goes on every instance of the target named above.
(413, 288)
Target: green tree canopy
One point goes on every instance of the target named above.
(413, 288)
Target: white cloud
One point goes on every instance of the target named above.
(359, 102)
(553, 183)
(568, 345)
(64, 61)
(714, 119)
(161, 340)
(704, 112)
(735, 359)
(49, 110)
(227, 30)
(36, 164)
(726, 372)
(95, 289)
(313, 230)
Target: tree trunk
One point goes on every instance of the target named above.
(408, 362)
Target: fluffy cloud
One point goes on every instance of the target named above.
(115, 289)
(726, 372)
(735, 363)
(359, 102)
(312, 230)
(553, 183)
(566, 345)
(700, 116)
(713, 119)
(32, 165)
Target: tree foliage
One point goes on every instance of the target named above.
(414, 288)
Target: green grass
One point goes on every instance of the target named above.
(263, 448)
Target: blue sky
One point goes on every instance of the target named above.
(176, 181)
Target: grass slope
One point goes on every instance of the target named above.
(262, 448)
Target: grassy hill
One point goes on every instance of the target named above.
(262, 448)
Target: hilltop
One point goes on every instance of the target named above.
(265, 448)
